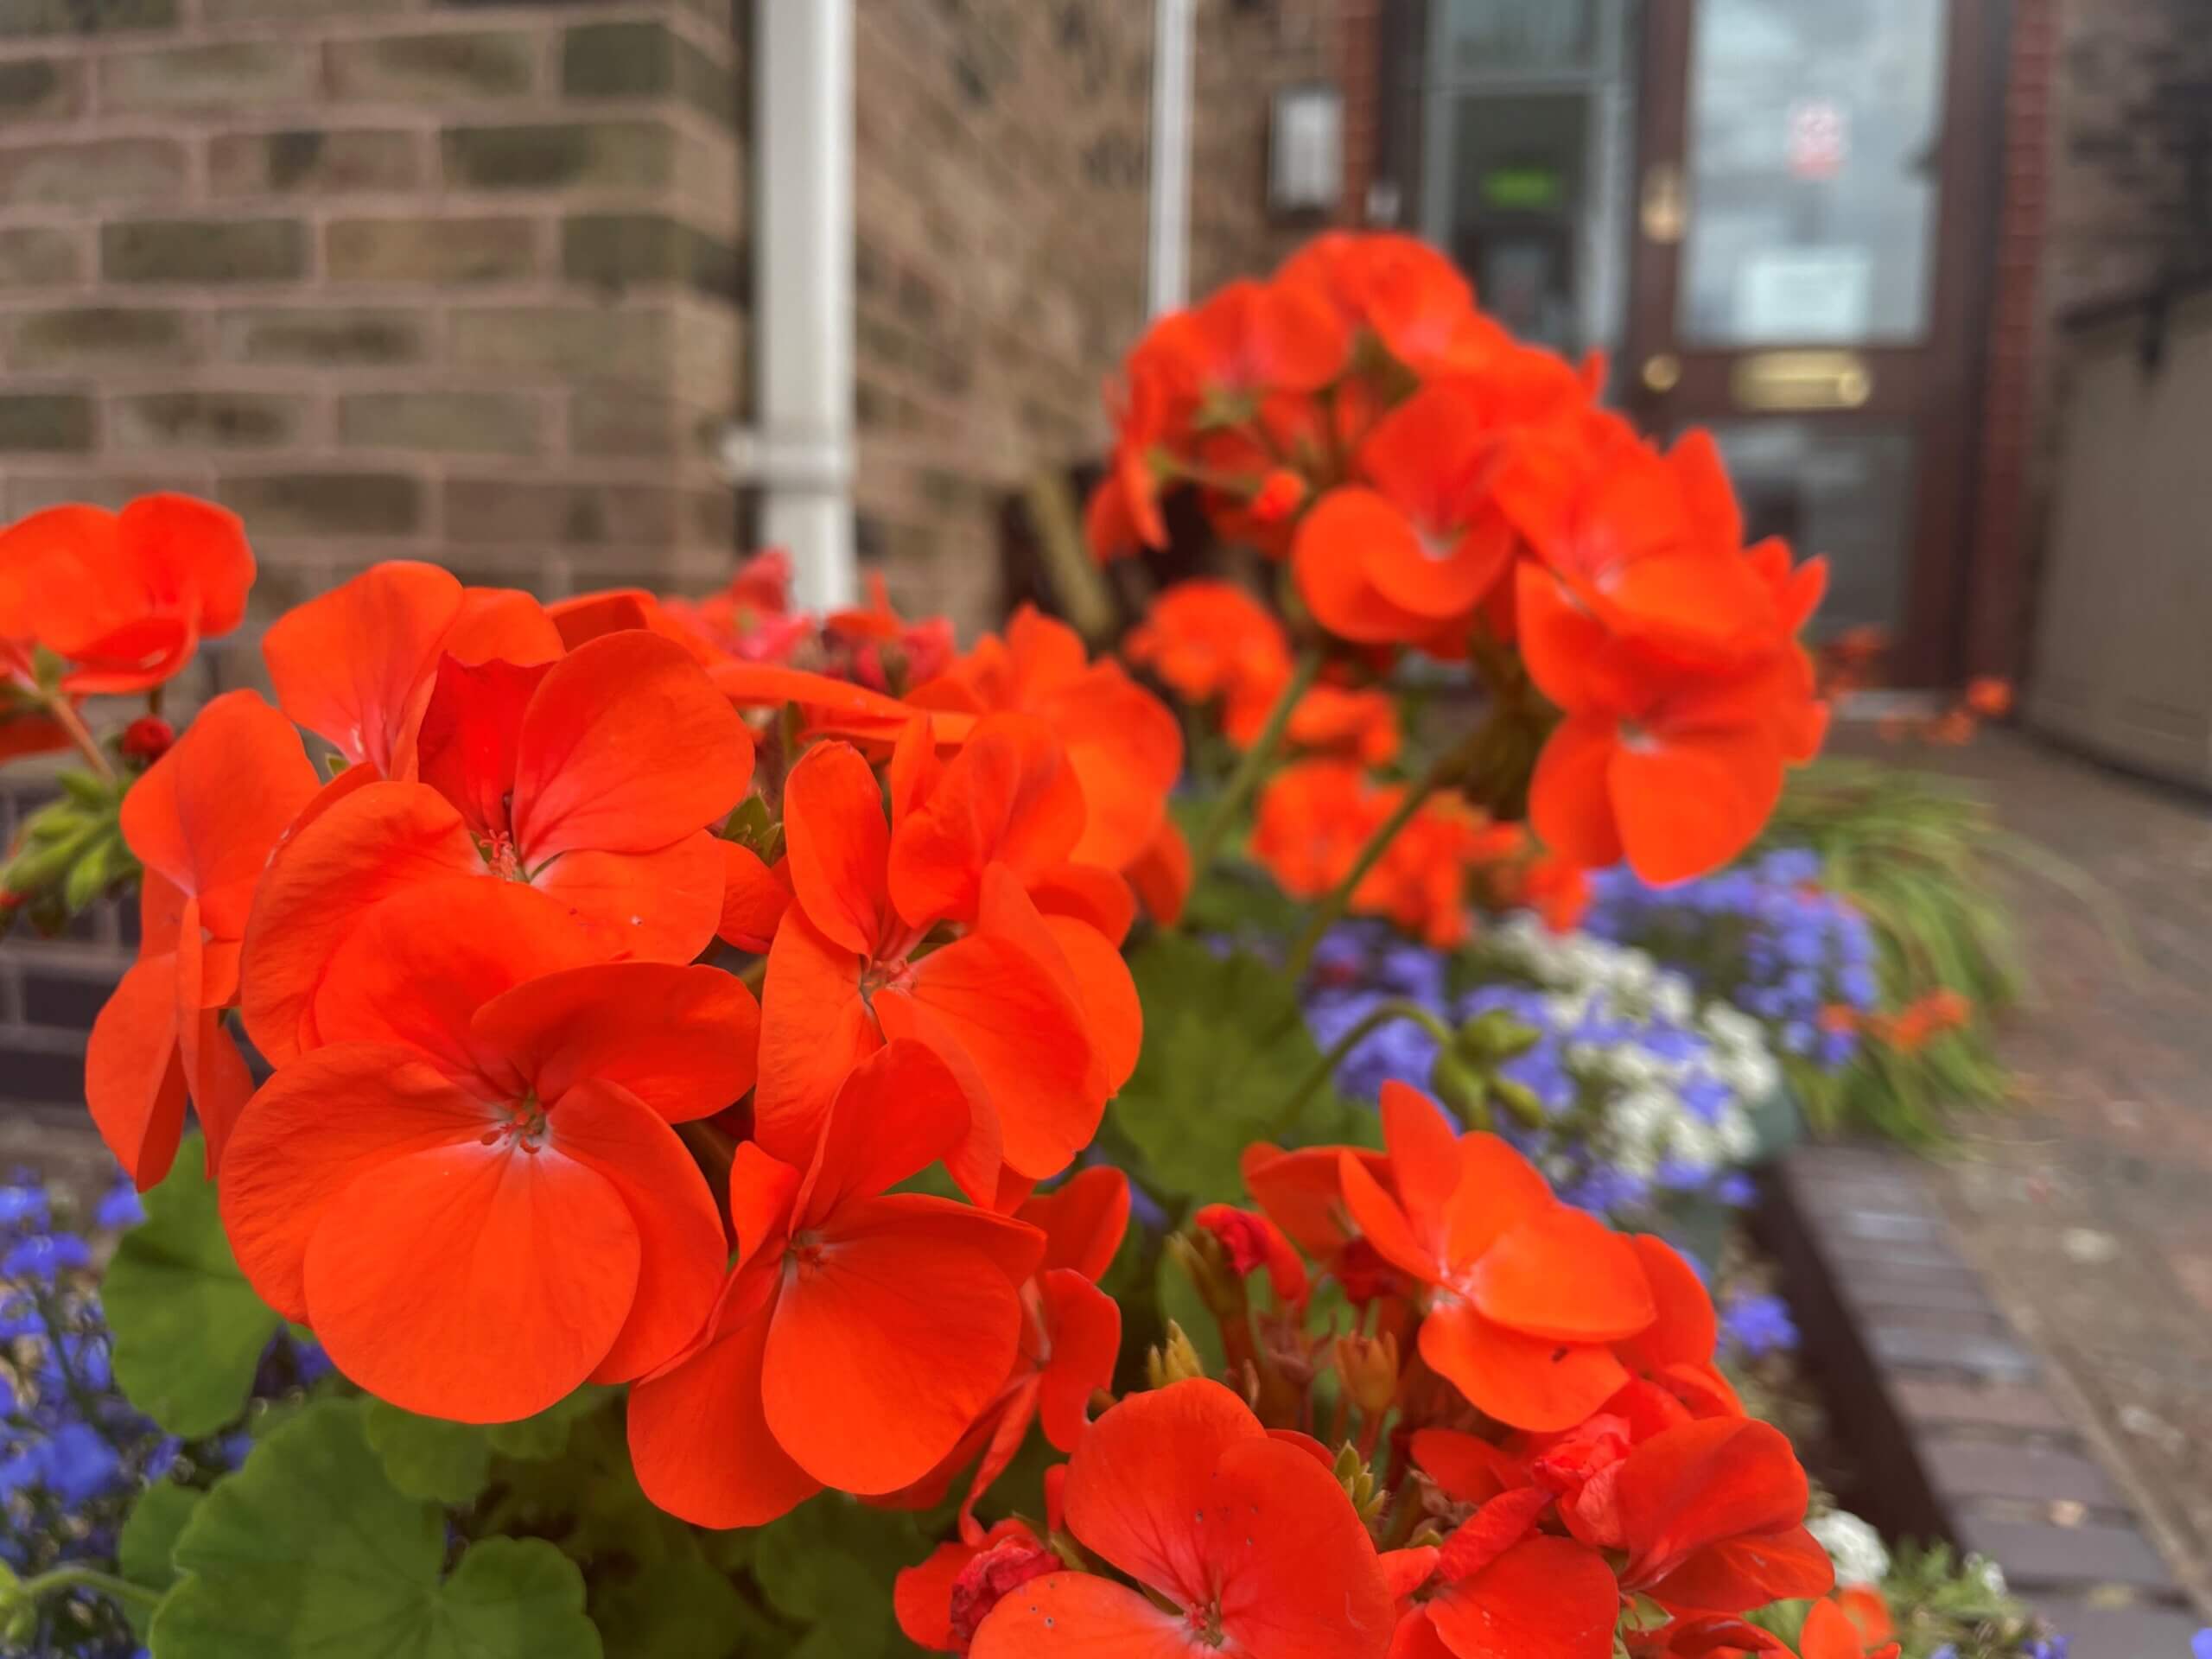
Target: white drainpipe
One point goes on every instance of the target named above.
(1174, 23)
(800, 453)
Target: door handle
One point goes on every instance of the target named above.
(1663, 372)
(1664, 211)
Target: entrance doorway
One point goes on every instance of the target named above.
(1775, 216)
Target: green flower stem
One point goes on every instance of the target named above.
(64, 717)
(83, 1577)
(1246, 778)
(1447, 769)
(1386, 1014)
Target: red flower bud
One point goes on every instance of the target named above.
(992, 1576)
(147, 738)
(1280, 493)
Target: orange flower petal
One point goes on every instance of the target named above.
(1084, 1220)
(1498, 1189)
(837, 845)
(423, 961)
(1086, 894)
(685, 1041)
(478, 1283)
(700, 1441)
(1162, 874)
(1687, 1328)
(134, 1076)
(1530, 1383)
(1564, 1275)
(311, 1130)
(1382, 1223)
(366, 845)
(353, 664)
(208, 812)
(656, 906)
(625, 749)
(1425, 1159)
(1086, 1330)
(1544, 1599)
(898, 1111)
(1737, 1574)
(1465, 1467)
(1570, 799)
(1702, 1482)
(680, 1247)
(1075, 1613)
(815, 1028)
(1689, 802)
(887, 1341)
(1008, 797)
(1025, 1038)
(755, 899)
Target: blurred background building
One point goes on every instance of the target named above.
(578, 292)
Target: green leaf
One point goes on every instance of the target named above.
(189, 1331)
(149, 1539)
(1225, 1048)
(427, 1457)
(546, 1435)
(310, 1550)
(677, 1609)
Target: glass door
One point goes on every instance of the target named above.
(1527, 157)
(1805, 272)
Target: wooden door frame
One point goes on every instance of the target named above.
(1947, 381)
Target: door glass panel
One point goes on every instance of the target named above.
(1515, 36)
(1814, 132)
(1519, 191)
(1845, 494)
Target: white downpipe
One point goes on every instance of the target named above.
(801, 452)
(1174, 25)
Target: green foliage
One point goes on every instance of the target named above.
(309, 1549)
(1919, 856)
(69, 853)
(827, 1569)
(1938, 1601)
(1226, 1051)
(189, 1331)
(145, 1552)
(427, 1457)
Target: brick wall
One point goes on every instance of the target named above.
(435, 278)
(2107, 188)
(432, 277)
(1004, 174)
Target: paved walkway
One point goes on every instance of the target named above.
(2089, 1210)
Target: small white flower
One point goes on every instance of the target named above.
(1855, 1548)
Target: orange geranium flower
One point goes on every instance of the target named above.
(1421, 880)
(860, 1333)
(589, 780)
(1423, 542)
(940, 1603)
(123, 598)
(203, 821)
(1528, 1296)
(1249, 1540)
(1355, 725)
(1312, 818)
(1034, 1014)
(1212, 640)
(472, 1192)
(1122, 743)
(356, 665)
(1071, 1339)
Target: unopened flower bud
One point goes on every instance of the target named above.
(1369, 1367)
(1281, 494)
(1175, 1361)
(147, 738)
(1462, 1087)
(992, 1576)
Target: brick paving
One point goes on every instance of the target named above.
(2088, 1209)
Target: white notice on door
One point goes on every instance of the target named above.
(1789, 296)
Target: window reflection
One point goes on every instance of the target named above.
(1844, 492)
(1814, 136)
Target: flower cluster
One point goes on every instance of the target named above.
(1434, 486)
(1765, 937)
(1568, 1466)
(508, 1093)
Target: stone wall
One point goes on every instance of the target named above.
(430, 279)
(2106, 180)
(1004, 185)
(437, 279)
